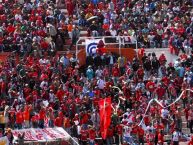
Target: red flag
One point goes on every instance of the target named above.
(105, 116)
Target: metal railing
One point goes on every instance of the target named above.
(120, 41)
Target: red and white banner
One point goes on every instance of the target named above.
(46, 134)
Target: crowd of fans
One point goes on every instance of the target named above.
(29, 26)
(49, 90)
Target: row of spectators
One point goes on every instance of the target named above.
(29, 26)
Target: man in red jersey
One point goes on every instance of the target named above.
(83, 136)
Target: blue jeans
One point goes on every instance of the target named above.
(51, 123)
(91, 142)
(128, 139)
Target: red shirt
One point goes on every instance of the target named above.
(140, 132)
(160, 138)
(67, 123)
(165, 80)
(160, 91)
(19, 117)
(44, 45)
(10, 29)
(119, 129)
(190, 142)
(92, 134)
(60, 94)
(58, 122)
(26, 113)
(42, 114)
(35, 118)
(135, 129)
(150, 86)
(84, 135)
(84, 119)
(115, 72)
(110, 132)
(149, 138)
(140, 72)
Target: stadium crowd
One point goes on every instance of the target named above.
(48, 90)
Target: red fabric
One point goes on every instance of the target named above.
(67, 123)
(141, 132)
(160, 91)
(190, 142)
(60, 94)
(19, 117)
(84, 135)
(119, 129)
(92, 134)
(84, 119)
(42, 114)
(140, 72)
(10, 29)
(115, 72)
(26, 113)
(58, 122)
(105, 116)
(150, 86)
(35, 118)
(162, 58)
(44, 45)
(141, 51)
(110, 132)
(160, 138)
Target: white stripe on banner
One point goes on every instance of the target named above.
(91, 46)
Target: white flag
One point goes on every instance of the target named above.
(91, 46)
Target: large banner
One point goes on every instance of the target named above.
(105, 115)
(4, 141)
(47, 134)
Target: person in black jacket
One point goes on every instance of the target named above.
(155, 64)
(89, 61)
(97, 61)
(147, 67)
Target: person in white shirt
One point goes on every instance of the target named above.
(44, 84)
(99, 72)
(101, 83)
(165, 116)
(113, 32)
(51, 96)
(164, 113)
(18, 17)
(176, 137)
(127, 134)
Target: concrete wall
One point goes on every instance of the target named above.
(158, 51)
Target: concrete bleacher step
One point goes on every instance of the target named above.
(83, 32)
(167, 137)
(186, 130)
(183, 118)
(184, 124)
(64, 10)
